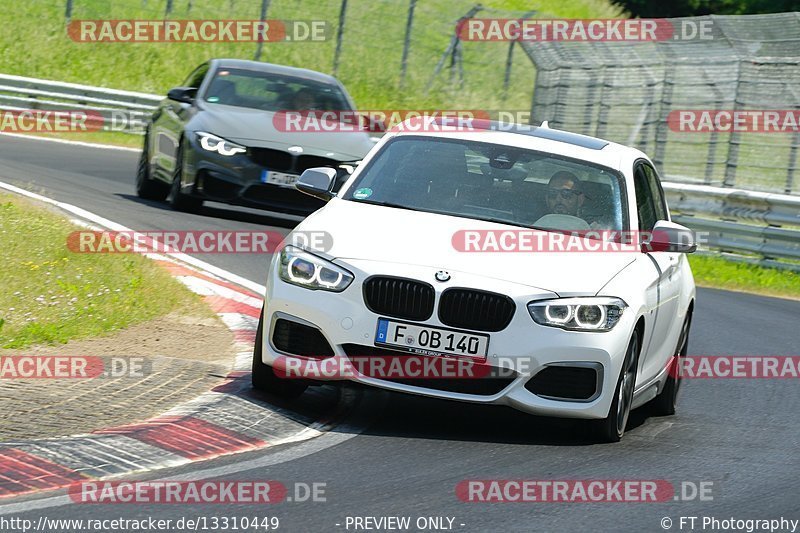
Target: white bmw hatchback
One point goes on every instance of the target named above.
(490, 267)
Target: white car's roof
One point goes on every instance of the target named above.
(583, 147)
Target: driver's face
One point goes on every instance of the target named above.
(562, 198)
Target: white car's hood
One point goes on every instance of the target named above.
(383, 234)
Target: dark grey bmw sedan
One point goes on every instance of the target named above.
(218, 137)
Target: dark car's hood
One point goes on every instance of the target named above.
(252, 127)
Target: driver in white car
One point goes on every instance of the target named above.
(564, 194)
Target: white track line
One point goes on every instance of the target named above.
(310, 441)
(66, 141)
(113, 226)
(321, 440)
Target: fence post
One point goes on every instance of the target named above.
(510, 60)
(168, 9)
(339, 36)
(734, 140)
(407, 42)
(452, 48)
(68, 11)
(262, 16)
(792, 163)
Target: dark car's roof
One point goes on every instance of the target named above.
(274, 69)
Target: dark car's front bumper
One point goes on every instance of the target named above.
(238, 179)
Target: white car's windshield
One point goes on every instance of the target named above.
(492, 182)
(273, 92)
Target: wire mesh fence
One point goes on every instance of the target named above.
(629, 92)
(407, 54)
(398, 51)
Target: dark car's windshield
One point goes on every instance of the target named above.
(272, 92)
(492, 182)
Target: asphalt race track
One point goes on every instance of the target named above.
(399, 455)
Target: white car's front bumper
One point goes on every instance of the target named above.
(523, 346)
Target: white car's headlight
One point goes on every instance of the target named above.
(212, 143)
(307, 270)
(578, 314)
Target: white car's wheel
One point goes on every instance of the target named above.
(666, 402)
(611, 428)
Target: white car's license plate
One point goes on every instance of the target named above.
(278, 178)
(426, 340)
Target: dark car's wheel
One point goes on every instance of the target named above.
(611, 428)
(665, 403)
(177, 199)
(264, 377)
(147, 188)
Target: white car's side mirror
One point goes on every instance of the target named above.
(318, 182)
(669, 237)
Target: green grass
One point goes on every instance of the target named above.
(719, 273)
(51, 295)
(38, 46)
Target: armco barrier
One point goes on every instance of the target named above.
(126, 108)
(760, 227)
(755, 226)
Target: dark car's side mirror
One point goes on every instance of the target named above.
(185, 95)
(670, 237)
(317, 182)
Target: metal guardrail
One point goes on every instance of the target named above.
(757, 227)
(121, 110)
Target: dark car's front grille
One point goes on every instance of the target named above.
(271, 159)
(286, 162)
(487, 385)
(399, 297)
(474, 309)
(299, 339)
(577, 383)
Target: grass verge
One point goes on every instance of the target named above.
(51, 295)
(371, 52)
(719, 273)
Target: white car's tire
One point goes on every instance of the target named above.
(666, 402)
(611, 428)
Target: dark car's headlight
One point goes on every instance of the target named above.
(213, 143)
(307, 270)
(578, 314)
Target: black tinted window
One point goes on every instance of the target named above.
(272, 92)
(656, 192)
(645, 204)
(195, 79)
